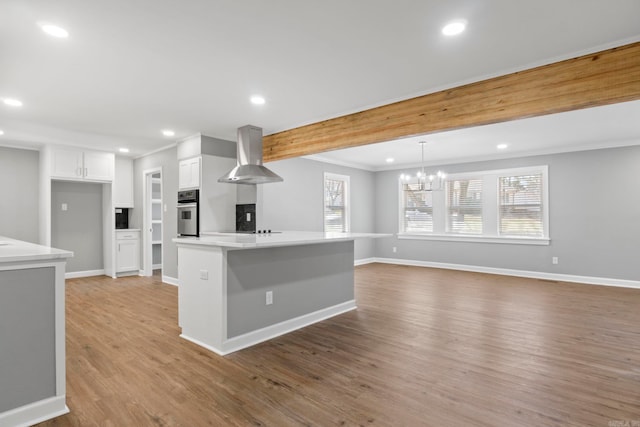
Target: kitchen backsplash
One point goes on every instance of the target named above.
(246, 217)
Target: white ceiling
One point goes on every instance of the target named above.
(132, 68)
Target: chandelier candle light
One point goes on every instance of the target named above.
(431, 182)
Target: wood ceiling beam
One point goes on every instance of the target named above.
(601, 78)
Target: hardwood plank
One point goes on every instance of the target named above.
(602, 78)
(426, 347)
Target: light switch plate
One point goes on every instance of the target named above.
(204, 274)
(64, 207)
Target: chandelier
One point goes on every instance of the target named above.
(426, 182)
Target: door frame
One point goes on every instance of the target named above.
(147, 240)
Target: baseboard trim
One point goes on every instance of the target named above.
(87, 273)
(588, 280)
(156, 266)
(127, 273)
(170, 280)
(363, 261)
(217, 351)
(264, 334)
(35, 412)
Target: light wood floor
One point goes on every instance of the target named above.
(426, 347)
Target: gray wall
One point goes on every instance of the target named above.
(593, 212)
(79, 229)
(168, 160)
(19, 196)
(27, 334)
(297, 275)
(297, 202)
(594, 218)
(201, 144)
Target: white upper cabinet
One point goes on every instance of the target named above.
(98, 166)
(123, 183)
(189, 173)
(67, 163)
(74, 164)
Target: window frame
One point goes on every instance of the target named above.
(490, 209)
(543, 200)
(347, 200)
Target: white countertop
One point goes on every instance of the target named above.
(12, 250)
(285, 238)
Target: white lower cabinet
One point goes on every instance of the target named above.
(127, 251)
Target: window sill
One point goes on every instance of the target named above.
(541, 241)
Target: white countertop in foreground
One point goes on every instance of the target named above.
(12, 250)
(285, 238)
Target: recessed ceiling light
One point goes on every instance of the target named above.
(55, 31)
(389, 159)
(501, 146)
(168, 132)
(123, 150)
(12, 102)
(454, 28)
(258, 100)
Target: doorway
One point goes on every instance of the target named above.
(153, 213)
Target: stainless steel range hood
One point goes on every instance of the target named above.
(249, 169)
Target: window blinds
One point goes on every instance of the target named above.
(417, 209)
(464, 206)
(520, 205)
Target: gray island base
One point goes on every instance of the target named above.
(239, 290)
(32, 333)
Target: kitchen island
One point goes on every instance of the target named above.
(32, 332)
(236, 290)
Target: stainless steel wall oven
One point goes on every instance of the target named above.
(188, 213)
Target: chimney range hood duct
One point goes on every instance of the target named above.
(249, 169)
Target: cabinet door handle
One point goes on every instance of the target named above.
(118, 247)
(79, 171)
(86, 171)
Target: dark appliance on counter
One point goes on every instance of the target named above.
(246, 218)
(122, 218)
(188, 213)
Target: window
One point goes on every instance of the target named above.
(520, 201)
(417, 209)
(464, 206)
(501, 206)
(336, 203)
